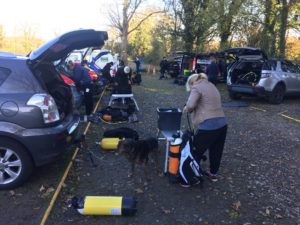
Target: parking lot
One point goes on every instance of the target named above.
(259, 173)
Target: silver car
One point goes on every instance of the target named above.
(253, 74)
(38, 106)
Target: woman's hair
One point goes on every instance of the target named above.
(194, 77)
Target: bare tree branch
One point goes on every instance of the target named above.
(135, 7)
(115, 18)
(142, 20)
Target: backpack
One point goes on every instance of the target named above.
(189, 169)
(115, 113)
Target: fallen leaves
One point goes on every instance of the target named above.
(139, 191)
(14, 194)
(165, 211)
(278, 216)
(233, 215)
(42, 188)
(236, 206)
(276, 161)
(46, 192)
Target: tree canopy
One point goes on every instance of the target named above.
(140, 29)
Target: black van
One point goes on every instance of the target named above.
(178, 62)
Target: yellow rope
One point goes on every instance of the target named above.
(263, 110)
(58, 189)
(290, 118)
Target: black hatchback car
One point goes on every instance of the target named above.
(38, 118)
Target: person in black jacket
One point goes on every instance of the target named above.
(136, 78)
(137, 64)
(163, 67)
(83, 82)
(106, 72)
(213, 71)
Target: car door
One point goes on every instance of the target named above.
(295, 74)
(289, 75)
(61, 46)
(298, 78)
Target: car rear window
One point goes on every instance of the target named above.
(269, 65)
(4, 73)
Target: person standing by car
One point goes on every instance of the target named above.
(84, 82)
(106, 72)
(137, 65)
(208, 119)
(213, 71)
(163, 67)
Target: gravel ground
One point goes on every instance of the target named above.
(259, 174)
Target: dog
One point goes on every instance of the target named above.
(122, 132)
(137, 152)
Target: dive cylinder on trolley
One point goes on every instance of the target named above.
(174, 159)
(109, 143)
(105, 205)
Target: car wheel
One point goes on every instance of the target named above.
(277, 95)
(15, 164)
(234, 96)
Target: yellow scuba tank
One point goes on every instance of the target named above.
(105, 205)
(109, 143)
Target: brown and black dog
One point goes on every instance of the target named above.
(137, 152)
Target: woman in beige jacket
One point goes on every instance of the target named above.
(205, 108)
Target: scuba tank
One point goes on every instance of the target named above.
(174, 159)
(109, 143)
(105, 205)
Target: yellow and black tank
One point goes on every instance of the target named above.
(109, 143)
(105, 205)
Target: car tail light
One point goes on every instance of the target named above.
(47, 105)
(266, 75)
(93, 75)
(67, 80)
(194, 64)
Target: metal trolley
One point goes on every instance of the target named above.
(169, 121)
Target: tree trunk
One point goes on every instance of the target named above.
(225, 20)
(265, 39)
(272, 45)
(224, 39)
(188, 40)
(125, 32)
(124, 47)
(283, 26)
(188, 20)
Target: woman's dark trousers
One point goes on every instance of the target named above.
(213, 141)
